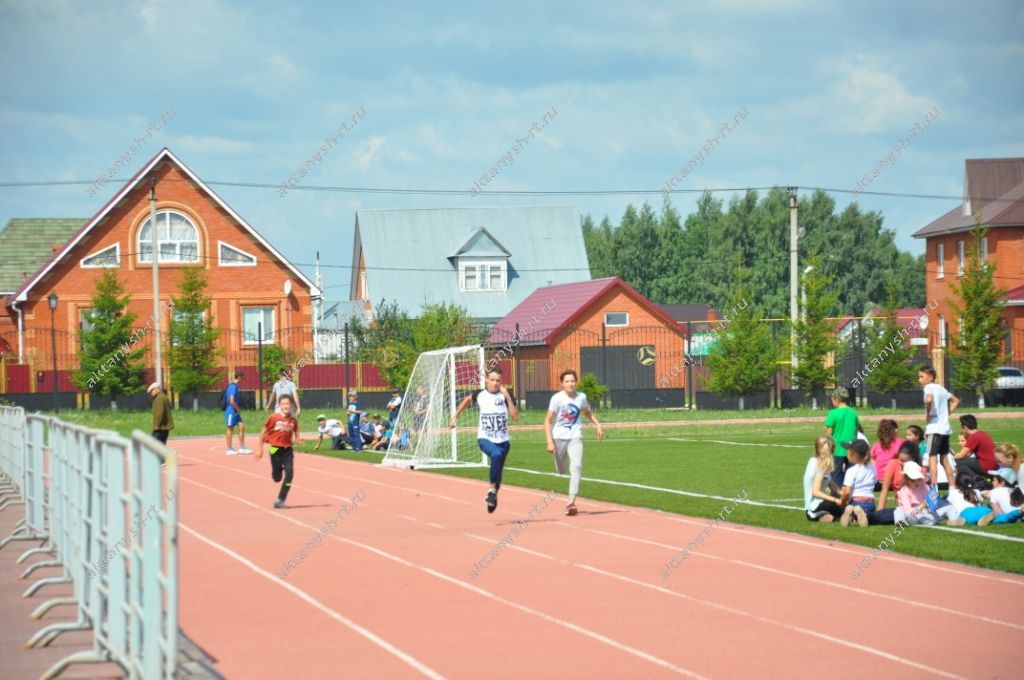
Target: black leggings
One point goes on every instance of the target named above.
(825, 506)
(282, 462)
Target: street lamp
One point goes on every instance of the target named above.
(52, 299)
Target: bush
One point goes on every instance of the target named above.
(594, 390)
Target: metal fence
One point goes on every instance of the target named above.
(85, 492)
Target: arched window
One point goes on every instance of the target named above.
(177, 238)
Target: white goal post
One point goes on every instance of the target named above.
(440, 380)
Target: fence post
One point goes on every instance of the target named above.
(515, 366)
(346, 361)
(689, 394)
(604, 365)
(259, 365)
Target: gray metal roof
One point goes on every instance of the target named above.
(409, 254)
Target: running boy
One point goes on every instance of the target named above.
(496, 405)
(280, 430)
(565, 440)
(938, 404)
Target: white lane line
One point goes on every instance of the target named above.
(810, 579)
(352, 625)
(722, 441)
(615, 644)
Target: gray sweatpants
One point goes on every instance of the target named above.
(569, 458)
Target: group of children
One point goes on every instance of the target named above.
(842, 487)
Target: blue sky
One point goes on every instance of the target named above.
(256, 87)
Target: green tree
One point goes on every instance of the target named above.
(275, 360)
(599, 242)
(386, 342)
(742, 360)
(194, 355)
(889, 366)
(111, 358)
(978, 343)
(815, 334)
(444, 325)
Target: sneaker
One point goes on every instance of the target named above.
(862, 517)
(987, 519)
(280, 505)
(847, 516)
(957, 522)
(492, 500)
(232, 452)
(245, 451)
(571, 509)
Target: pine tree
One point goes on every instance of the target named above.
(742, 360)
(193, 355)
(111, 356)
(889, 357)
(815, 334)
(978, 344)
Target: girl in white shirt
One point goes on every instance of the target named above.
(565, 438)
(1006, 497)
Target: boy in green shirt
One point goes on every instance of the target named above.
(842, 424)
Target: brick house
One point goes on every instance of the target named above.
(604, 326)
(993, 191)
(249, 280)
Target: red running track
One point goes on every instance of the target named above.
(387, 591)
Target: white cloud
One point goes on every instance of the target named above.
(870, 97)
(374, 146)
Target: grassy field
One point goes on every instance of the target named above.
(764, 460)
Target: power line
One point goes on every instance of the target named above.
(510, 192)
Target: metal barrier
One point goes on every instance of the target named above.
(12, 456)
(106, 507)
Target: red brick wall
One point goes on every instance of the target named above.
(231, 287)
(1005, 253)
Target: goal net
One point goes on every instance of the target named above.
(439, 381)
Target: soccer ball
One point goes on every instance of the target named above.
(645, 355)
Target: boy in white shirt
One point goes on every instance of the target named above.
(939, 403)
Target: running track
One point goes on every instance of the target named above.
(388, 593)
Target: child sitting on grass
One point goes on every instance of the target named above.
(892, 478)
(1006, 497)
(820, 504)
(967, 502)
(858, 494)
(1008, 456)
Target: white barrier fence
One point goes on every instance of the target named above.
(105, 509)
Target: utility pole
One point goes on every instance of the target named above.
(156, 279)
(794, 240)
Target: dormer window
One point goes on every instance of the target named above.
(177, 239)
(481, 263)
(480, 275)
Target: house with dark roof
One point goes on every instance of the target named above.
(604, 326)
(251, 284)
(487, 260)
(993, 193)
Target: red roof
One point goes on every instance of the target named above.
(1015, 294)
(545, 311)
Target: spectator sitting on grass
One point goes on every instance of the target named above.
(1008, 456)
(858, 484)
(821, 504)
(366, 430)
(968, 503)
(892, 477)
(384, 439)
(1005, 498)
(333, 429)
(887, 446)
(978, 452)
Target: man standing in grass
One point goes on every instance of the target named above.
(163, 421)
(233, 416)
(842, 424)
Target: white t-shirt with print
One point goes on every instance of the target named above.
(493, 415)
(568, 412)
(1000, 498)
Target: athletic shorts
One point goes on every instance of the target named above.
(938, 444)
(232, 417)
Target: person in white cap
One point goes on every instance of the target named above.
(163, 420)
(1005, 498)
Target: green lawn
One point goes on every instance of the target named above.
(647, 454)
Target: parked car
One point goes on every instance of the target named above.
(1010, 378)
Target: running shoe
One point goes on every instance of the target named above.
(245, 451)
(280, 505)
(571, 509)
(492, 500)
(232, 452)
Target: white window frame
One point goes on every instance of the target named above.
(139, 258)
(225, 263)
(482, 270)
(117, 255)
(942, 330)
(960, 258)
(615, 325)
(940, 256)
(984, 248)
(273, 325)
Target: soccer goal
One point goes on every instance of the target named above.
(439, 381)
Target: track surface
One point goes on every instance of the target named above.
(387, 592)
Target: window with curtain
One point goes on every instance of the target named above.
(177, 239)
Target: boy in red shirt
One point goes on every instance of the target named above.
(280, 430)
